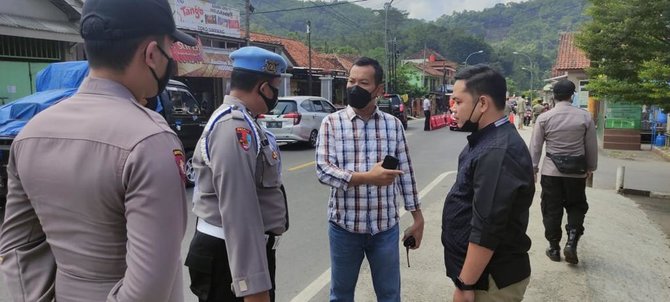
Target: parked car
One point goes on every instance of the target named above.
(392, 104)
(187, 117)
(297, 118)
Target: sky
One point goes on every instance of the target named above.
(432, 9)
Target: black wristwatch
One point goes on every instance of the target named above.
(462, 286)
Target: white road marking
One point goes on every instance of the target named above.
(319, 283)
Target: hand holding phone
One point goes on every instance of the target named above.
(390, 163)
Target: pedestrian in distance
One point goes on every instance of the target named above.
(538, 109)
(426, 104)
(571, 156)
(238, 195)
(362, 208)
(96, 208)
(485, 214)
(521, 112)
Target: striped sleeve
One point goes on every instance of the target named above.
(327, 170)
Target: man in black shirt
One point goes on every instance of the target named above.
(485, 215)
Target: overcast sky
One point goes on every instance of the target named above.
(432, 9)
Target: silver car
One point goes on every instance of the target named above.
(297, 118)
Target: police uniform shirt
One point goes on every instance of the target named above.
(238, 189)
(96, 209)
(567, 130)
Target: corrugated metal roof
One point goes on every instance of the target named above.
(38, 24)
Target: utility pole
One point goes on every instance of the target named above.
(387, 5)
(309, 45)
(247, 8)
(530, 69)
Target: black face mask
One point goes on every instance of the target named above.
(270, 102)
(358, 97)
(163, 81)
(470, 126)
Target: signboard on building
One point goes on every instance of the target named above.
(206, 17)
(203, 62)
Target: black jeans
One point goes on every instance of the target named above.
(207, 263)
(560, 193)
(426, 123)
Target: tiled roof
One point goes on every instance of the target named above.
(570, 57)
(428, 70)
(440, 64)
(419, 55)
(298, 52)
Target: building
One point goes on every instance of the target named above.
(619, 124)
(329, 76)
(33, 34)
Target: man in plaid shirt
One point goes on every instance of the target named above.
(363, 208)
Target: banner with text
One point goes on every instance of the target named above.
(205, 17)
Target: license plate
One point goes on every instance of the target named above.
(273, 124)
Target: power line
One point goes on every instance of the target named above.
(301, 8)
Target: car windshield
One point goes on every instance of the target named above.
(284, 106)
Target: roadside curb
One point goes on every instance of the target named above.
(644, 193)
(664, 154)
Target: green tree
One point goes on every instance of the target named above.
(628, 42)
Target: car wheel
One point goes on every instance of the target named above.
(313, 136)
(190, 172)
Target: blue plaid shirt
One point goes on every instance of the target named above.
(348, 144)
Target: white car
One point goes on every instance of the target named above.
(297, 118)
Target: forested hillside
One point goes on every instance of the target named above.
(530, 27)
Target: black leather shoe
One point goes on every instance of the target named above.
(554, 251)
(570, 251)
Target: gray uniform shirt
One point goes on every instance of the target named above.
(240, 190)
(96, 208)
(567, 130)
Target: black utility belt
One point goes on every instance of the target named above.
(569, 164)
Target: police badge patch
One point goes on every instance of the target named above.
(244, 137)
(181, 163)
(270, 66)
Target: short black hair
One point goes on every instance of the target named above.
(115, 54)
(481, 79)
(245, 80)
(379, 72)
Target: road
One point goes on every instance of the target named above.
(303, 253)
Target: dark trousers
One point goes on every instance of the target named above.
(560, 193)
(207, 263)
(426, 123)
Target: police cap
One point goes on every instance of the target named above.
(128, 19)
(258, 60)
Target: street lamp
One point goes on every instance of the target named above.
(474, 53)
(387, 5)
(530, 62)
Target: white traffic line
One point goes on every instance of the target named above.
(319, 283)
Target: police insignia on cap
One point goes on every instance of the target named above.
(270, 66)
(244, 137)
(181, 163)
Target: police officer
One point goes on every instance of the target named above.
(96, 209)
(572, 155)
(238, 195)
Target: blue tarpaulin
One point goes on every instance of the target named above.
(56, 82)
(61, 75)
(15, 115)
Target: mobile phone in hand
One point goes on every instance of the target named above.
(390, 163)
